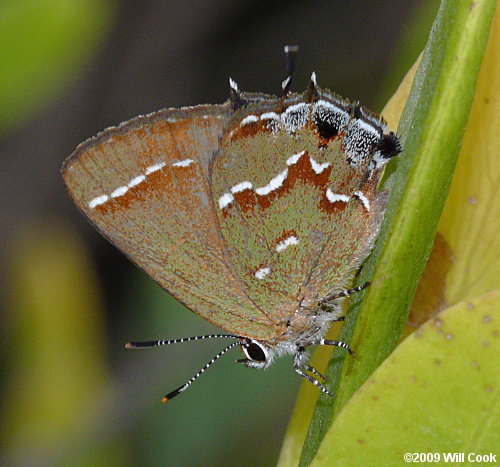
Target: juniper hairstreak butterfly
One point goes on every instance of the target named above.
(254, 213)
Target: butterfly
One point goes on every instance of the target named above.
(254, 213)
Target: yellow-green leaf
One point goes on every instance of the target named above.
(470, 220)
(465, 260)
(438, 392)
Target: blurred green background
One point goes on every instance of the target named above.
(71, 393)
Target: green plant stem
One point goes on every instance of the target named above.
(431, 131)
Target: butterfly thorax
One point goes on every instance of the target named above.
(305, 328)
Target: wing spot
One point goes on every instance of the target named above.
(120, 191)
(274, 184)
(317, 167)
(360, 140)
(249, 119)
(292, 119)
(135, 181)
(293, 159)
(295, 117)
(225, 200)
(184, 163)
(269, 116)
(335, 197)
(289, 241)
(98, 201)
(241, 187)
(364, 200)
(154, 168)
(262, 272)
(329, 118)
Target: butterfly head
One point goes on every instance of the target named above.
(258, 354)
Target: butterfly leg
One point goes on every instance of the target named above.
(335, 343)
(301, 368)
(328, 306)
(313, 371)
(344, 293)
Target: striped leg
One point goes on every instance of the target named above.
(335, 343)
(314, 371)
(301, 369)
(344, 293)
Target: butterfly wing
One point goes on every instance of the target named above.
(299, 209)
(145, 186)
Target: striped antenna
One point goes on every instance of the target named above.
(171, 395)
(182, 388)
(143, 345)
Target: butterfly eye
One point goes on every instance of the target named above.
(255, 352)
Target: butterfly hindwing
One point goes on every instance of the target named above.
(296, 200)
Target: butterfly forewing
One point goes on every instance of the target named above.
(145, 186)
